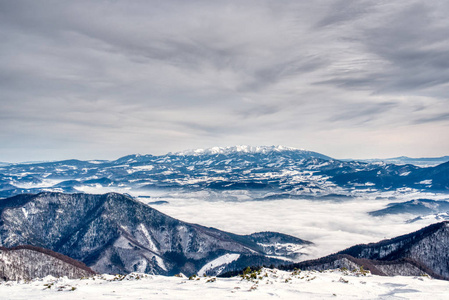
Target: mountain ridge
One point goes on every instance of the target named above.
(428, 246)
(244, 149)
(263, 171)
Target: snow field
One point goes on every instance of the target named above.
(267, 284)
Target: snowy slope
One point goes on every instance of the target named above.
(269, 284)
(219, 262)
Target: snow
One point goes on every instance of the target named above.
(270, 284)
(44, 183)
(160, 262)
(122, 242)
(25, 213)
(148, 239)
(289, 247)
(222, 260)
(233, 149)
(427, 181)
(142, 265)
(143, 168)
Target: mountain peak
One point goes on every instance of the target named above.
(238, 149)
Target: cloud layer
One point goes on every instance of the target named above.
(103, 79)
(331, 225)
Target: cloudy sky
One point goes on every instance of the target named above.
(102, 79)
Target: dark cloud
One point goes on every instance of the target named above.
(107, 78)
(363, 113)
(442, 117)
(414, 43)
(344, 11)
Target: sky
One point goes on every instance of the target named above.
(103, 79)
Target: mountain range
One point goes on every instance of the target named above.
(262, 171)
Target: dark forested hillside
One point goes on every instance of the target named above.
(113, 233)
(28, 262)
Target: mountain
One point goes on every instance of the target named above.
(28, 262)
(436, 177)
(425, 251)
(274, 243)
(405, 160)
(387, 176)
(348, 263)
(417, 207)
(250, 150)
(113, 233)
(263, 172)
(428, 247)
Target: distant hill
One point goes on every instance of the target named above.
(404, 160)
(417, 207)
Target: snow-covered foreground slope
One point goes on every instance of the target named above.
(268, 284)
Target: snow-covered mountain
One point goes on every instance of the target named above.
(262, 171)
(404, 160)
(113, 233)
(243, 149)
(428, 246)
(28, 262)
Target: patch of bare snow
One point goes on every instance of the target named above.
(220, 261)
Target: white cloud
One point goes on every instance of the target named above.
(331, 225)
